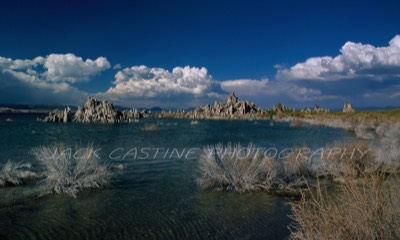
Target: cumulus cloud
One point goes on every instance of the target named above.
(356, 60)
(269, 92)
(50, 77)
(246, 87)
(192, 86)
(143, 83)
(68, 67)
(361, 73)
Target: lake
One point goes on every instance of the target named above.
(155, 195)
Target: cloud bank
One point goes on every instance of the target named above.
(69, 68)
(362, 73)
(356, 60)
(47, 78)
(182, 86)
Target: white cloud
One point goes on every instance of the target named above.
(142, 81)
(246, 87)
(69, 68)
(356, 60)
(268, 93)
(50, 77)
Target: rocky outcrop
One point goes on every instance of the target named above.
(94, 112)
(348, 108)
(231, 109)
(97, 112)
(131, 115)
(279, 107)
(232, 99)
(67, 114)
(318, 109)
(59, 115)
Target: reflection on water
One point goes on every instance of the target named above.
(127, 214)
(151, 198)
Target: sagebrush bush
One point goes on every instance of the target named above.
(298, 164)
(67, 174)
(354, 211)
(233, 167)
(237, 168)
(15, 173)
(388, 151)
(352, 161)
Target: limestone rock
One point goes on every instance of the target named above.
(59, 115)
(232, 99)
(97, 112)
(232, 109)
(67, 115)
(279, 107)
(348, 108)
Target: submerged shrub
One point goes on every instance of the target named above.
(67, 174)
(388, 151)
(242, 169)
(354, 160)
(15, 173)
(150, 127)
(237, 168)
(298, 163)
(366, 211)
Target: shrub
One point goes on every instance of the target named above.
(297, 168)
(232, 167)
(67, 174)
(351, 161)
(298, 163)
(367, 211)
(13, 173)
(388, 152)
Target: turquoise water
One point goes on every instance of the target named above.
(155, 196)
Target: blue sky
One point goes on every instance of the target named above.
(188, 53)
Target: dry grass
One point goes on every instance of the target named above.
(388, 152)
(296, 169)
(391, 116)
(237, 168)
(298, 163)
(225, 167)
(66, 174)
(365, 205)
(15, 173)
(243, 169)
(367, 211)
(349, 161)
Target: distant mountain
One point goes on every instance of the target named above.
(156, 109)
(30, 108)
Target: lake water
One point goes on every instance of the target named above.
(155, 196)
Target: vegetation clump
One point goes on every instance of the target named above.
(237, 168)
(251, 168)
(242, 169)
(15, 173)
(349, 161)
(67, 174)
(353, 211)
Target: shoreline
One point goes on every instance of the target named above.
(366, 125)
